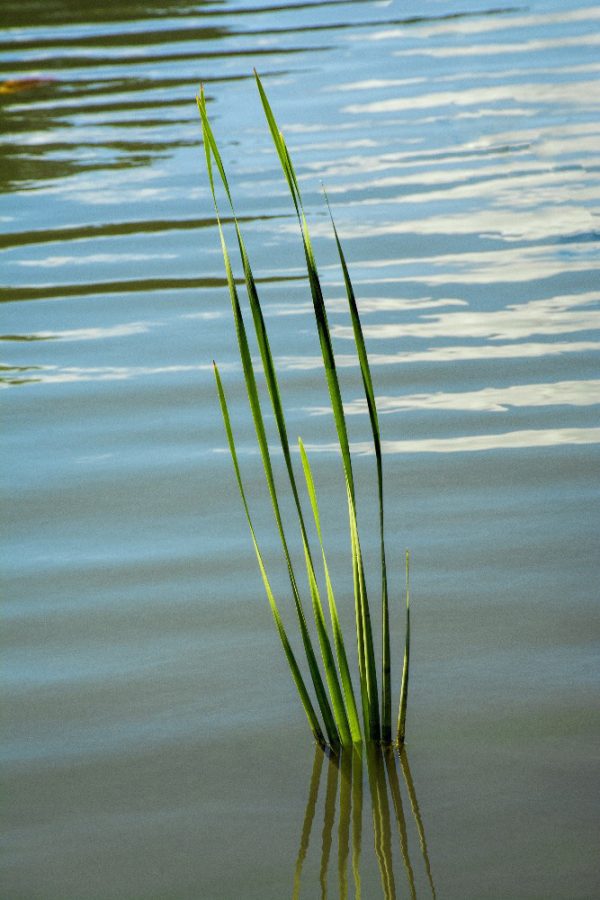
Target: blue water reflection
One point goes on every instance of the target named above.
(154, 745)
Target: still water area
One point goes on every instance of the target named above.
(154, 745)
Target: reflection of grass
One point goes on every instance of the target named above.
(9, 375)
(383, 780)
(336, 704)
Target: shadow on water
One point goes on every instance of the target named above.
(344, 780)
(21, 13)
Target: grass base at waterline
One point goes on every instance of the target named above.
(331, 708)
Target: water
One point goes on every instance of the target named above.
(154, 745)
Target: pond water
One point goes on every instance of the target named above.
(154, 745)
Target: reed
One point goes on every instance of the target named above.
(339, 722)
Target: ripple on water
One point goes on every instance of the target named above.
(459, 148)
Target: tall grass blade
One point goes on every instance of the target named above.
(326, 346)
(257, 416)
(284, 157)
(298, 680)
(362, 669)
(315, 285)
(405, 667)
(328, 660)
(368, 672)
(257, 315)
(339, 711)
(386, 697)
(333, 612)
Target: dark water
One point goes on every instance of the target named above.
(154, 746)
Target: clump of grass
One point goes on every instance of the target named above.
(339, 722)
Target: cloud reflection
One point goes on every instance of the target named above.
(456, 353)
(367, 305)
(75, 374)
(471, 443)
(53, 262)
(535, 45)
(478, 26)
(510, 266)
(488, 399)
(578, 93)
(561, 314)
(93, 334)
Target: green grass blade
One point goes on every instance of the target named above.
(296, 674)
(386, 696)
(335, 693)
(315, 286)
(405, 667)
(333, 612)
(257, 417)
(259, 323)
(340, 726)
(210, 148)
(273, 387)
(369, 672)
(284, 157)
(362, 669)
(327, 354)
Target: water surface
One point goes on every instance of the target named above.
(154, 744)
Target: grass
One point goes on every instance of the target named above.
(334, 719)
